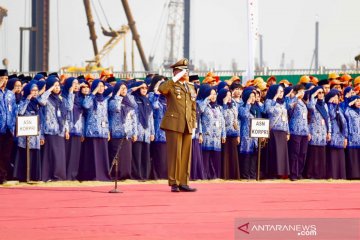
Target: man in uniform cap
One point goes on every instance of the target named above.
(194, 79)
(325, 84)
(178, 123)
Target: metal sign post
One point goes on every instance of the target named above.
(259, 128)
(27, 126)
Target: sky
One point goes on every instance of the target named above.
(218, 32)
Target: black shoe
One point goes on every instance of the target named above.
(175, 188)
(186, 188)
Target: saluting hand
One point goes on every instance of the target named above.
(51, 88)
(31, 95)
(96, 90)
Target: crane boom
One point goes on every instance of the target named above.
(90, 23)
(135, 33)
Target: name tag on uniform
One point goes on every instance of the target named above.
(103, 124)
(217, 124)
(322, 122)
(58, 113)
(283, 117)
(304, 115)
(10, 108)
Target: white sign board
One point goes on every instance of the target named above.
(27, 126)
(259, 128)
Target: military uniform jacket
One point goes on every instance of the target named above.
(180, 114)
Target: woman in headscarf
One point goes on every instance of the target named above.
(335, 154)
(278, 159)
(158, 146)
(197, 163)
(348, 93)
(29, 106)
(75, 127)
(14, 85)
(299, 132)
(320, 134)
(248, 145)
(94, 164)
(123, 129)
(230, 157)
(53, 127)
(141, 148)
(352, 115)
(213, 129)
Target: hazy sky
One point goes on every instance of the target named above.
(218, 28)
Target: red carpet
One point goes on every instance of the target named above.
(150, 211)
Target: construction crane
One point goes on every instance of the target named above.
(3, 13)
(116, 37)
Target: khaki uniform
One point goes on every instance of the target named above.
(178, 123)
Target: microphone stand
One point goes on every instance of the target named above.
(115, 163)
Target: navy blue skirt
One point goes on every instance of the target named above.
(20, 165)
(197, 164)
(53, 159)
(94, 164)
(73, 155)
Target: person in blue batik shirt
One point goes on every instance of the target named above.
(248, 145)
(352, 115)
(335, 154)
(71, 94)
(53, 127)
(230, 157)
(158, 146)
(197, 164)
(320, 134)
(8, 112)
(94, 164)
(299, 132)
(236, 91)
(348, 93)
(29, 106)
(123, 129)
(141, 148)
(214, 132)
(275, 108)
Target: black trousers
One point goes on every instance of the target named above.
(298, 146)
(141, 160)
(248, 163)
(6, 143)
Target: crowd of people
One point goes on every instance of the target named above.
(86, 122)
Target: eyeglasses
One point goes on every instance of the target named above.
(321, 93)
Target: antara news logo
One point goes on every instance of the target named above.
(298, 229)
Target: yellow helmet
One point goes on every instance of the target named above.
(333, 75)
(304, 79)
(357, 81)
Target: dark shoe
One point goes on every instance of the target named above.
(175, 188)
(186, 188)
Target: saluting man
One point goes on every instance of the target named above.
(178, 123)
